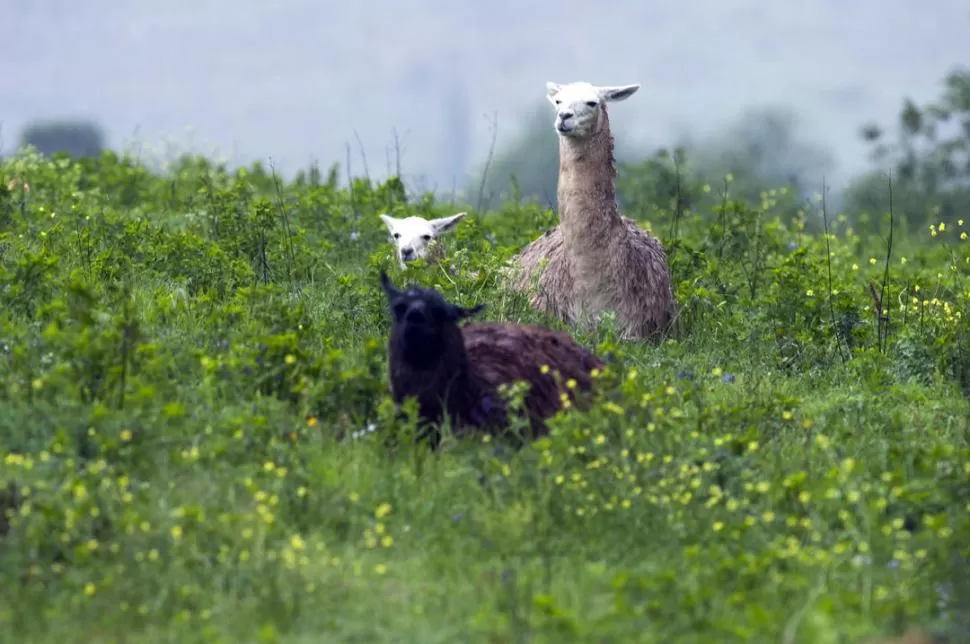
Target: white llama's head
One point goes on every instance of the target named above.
(578, 105)
(413, 235)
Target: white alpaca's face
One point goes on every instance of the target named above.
(413, 236)
(578, 105)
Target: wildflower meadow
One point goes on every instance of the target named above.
(198, 444)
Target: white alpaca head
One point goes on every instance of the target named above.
(413, 235)
(578, 105)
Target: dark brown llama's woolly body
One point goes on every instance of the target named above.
(494, 354)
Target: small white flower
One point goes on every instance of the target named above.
(370, 429)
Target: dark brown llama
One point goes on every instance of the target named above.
(455, 371)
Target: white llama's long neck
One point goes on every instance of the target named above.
(588, 215)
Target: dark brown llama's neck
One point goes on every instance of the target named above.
(439, 387)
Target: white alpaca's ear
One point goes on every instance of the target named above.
(446, 224)
(551, 90)
(390, 222)
(618, 93)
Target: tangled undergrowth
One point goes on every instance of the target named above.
(190, 364)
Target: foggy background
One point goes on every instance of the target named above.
(296, 81)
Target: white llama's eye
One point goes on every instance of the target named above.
(426, 237)
(397, 235)
(558, 102)
(591, 103)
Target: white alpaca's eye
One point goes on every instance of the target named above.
(558, 102)
(426, 237)
(591, 103)
(397, 235)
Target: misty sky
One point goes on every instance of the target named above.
(293, 80)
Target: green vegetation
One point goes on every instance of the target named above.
(186, 361)
(930, 157)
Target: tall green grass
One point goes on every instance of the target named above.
(187, 361)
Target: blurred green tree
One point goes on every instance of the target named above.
(929, 158)
(77, 138)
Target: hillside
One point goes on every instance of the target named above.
(187, 362)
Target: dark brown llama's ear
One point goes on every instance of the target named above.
(389, 289)
(467, 313)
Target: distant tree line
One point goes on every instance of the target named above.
(927, 156)
(75, 137)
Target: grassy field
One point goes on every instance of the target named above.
(187, 363)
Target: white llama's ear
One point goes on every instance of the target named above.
(551, 90)
(390, 222)
(618, 93)
(445, 224)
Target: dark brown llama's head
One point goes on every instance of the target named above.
(424, 326)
